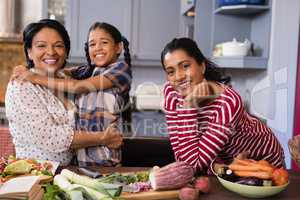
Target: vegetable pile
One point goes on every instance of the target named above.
(177, 175)
(252, 172)
(131, 182)
(12, 167)
(77, 187)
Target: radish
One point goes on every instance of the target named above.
(187, 193)
(202, 184)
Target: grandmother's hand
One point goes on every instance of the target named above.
(112, 137)
(20, 73)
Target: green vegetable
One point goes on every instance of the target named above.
(46, 172)
(93, 194)
(66, 186)
(52, 192)
(105, 188)
(18, 167)
(143, 176)
(125, 179)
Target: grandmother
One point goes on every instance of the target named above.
(41, 120)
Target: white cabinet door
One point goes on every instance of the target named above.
(148, 25)
(155, 23)
(81, 14)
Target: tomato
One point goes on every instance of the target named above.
(31, 161)
(47, 165)
(2, 166)
(280, 176)
(37, 166)
(2, 161)
(2, 180)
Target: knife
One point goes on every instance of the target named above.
(90, 173)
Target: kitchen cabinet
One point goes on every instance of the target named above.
(148, 25)
(215, 25)
(186, 6)
(81, 14)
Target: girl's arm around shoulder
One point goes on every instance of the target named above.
(98, 82)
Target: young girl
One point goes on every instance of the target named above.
(206, 119)
(104, 86)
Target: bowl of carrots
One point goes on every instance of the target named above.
(251, 178)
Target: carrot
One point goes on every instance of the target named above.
(251, 167)
(244, 161)
(266, 163)
(240, 167)
(257, 174)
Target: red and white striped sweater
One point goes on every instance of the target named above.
(222, 129)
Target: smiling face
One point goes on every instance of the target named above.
(182, 71)
(102, 48)
(48, 51)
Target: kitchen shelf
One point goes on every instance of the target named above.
(186, 6)
(216, 24)
(246, 62)
(241, 9)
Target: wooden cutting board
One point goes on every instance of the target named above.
(42, 179)
(152, 195)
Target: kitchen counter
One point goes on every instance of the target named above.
(217, 190)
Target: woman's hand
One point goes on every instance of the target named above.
(200, 93)
(20, 73)
(243, 155)
(294, 147)
(112, 137)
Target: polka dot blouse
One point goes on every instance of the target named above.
(40, 125)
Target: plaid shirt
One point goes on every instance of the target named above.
(96, 110)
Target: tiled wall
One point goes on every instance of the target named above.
(11, 54)
(6, 144)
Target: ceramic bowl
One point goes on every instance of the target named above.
(251, 191)
(234, 49)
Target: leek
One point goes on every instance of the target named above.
(105, 188)
(66, 186)
(78, 192)
(93, 194)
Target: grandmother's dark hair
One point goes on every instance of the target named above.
(191, 48)
(33, 28)
(117, 37)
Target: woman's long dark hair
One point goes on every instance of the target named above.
(32, 29)
(191, 48)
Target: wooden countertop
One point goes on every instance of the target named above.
(292, 192)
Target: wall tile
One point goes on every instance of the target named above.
(11, 54)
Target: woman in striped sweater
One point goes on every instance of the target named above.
(206, 119)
